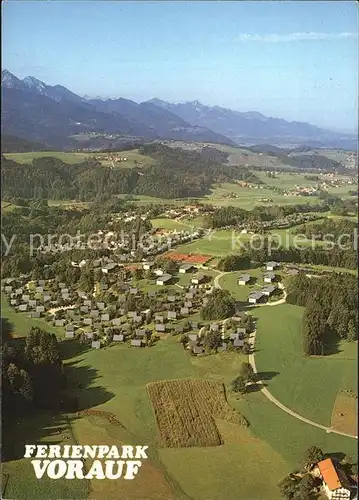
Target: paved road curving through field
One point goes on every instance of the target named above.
(280, 405)
(263, 389)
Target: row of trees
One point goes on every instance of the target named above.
(264, 251)
(233, 216)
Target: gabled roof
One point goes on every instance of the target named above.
(330, 475)
(244, 277)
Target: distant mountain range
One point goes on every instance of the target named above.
(35, 111)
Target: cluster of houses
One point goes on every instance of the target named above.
(150, 244)
(266, 291)
(233, 331)
(84, 315)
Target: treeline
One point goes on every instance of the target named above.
(336, 257)
(232, 216)
(177, 174)
(36, 217)
(32, 379)
(335, 228)
(331, 304)
(13, 144)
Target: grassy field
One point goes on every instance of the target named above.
(248, 198)
(172, 224)
(241, 292)
(133, 158)
(24, 158)
(119, 376)
(298, 381)
(20, 324)
(22, 483)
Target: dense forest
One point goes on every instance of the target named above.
(13, 144)
(344, 229)
(331, 304)
(181, 174)
(32, 379)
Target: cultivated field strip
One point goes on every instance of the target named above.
(185, 411)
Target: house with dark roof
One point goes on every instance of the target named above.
(269, 277)
(268, 290)
(165, 279)
(272, 265)
(186, 268)
(197, 349)
(255, 297)
(244, 279)
(136, 343)
(199, 278)
(238, 342)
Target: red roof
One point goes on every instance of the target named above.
(330, 475)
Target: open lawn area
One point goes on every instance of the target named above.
(217, 242)
(22, 483)
(118, 376)
(241, 292)
(248, 198)
(19, 325)
(307, 385)
(65, 157)
(172, 224)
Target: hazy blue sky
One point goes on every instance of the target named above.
(294, 60)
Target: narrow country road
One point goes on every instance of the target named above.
(263, 389)
(271, 398)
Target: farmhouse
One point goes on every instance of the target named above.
(255, 297)
(269, 277)
(244, 279)
(171, 315)
(159, 272)
(96, 344)
(164, 279)
(335, 483)
(186, 268)
(271, 266)
(160, 327)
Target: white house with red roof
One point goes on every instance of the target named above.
(335, 483)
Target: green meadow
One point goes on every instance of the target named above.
(307, 385)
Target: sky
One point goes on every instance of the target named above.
(291, 60)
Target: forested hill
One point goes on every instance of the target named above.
(177, 174)
(13, 144)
